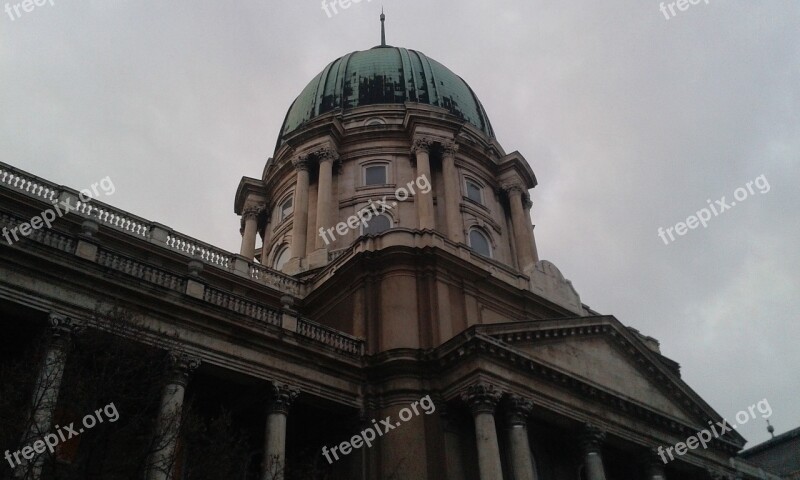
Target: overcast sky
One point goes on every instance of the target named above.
(631, 122)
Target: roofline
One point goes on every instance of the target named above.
(783, 437)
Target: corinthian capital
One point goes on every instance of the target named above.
(281, 397)
(302, 162)
(518, 409)
(481, 397)
(326, 154)
(181, 365)
(63, 326)
(251, 212)
(592, 439)
(514, 188)
(422, 144)
(450, 149)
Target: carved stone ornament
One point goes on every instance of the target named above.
(592, 439)
(422, 144)
(518, 409)
(181, 365)
(481, 397)
(281, 397)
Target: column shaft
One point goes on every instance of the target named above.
(520, 453)
(165, 443)
(275, 447)
(424, 201)
(324, 197)
(517, 411)
(488, 447)
(282, 397)
(482, 399)
(300, 222)
(523, 246)
(267, 239)
(46, 390)
(531, 232)
(452, 446)
(593, 463)
(654, 466)
(250, 219)
(591, 441)
(452, 195)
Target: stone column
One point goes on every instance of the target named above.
(517, 411)
(281, 398)
(591, 445)
(162, 460)
(249, 232)
(452, 444)
(422, 148)
(300, 222)
(46, 389)
(521, 225)
(325, 199)
(482, 399)
(527, 204)
(452, 194)
(654, 467)
(267, 237)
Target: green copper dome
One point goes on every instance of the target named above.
(385, 75)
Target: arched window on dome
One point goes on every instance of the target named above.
(282, 256)
(377, 225)
(479, 242)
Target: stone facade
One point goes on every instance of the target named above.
(528, 382)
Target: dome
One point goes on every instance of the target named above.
(385, 75)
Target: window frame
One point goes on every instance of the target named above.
(283, 248)
(481, 188)
(391, 225)
(281, 215)
(485, 236)
(367, 166)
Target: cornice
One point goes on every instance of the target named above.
(471, 344)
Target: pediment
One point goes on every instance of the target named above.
(597, 360)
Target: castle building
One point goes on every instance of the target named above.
(388, 309)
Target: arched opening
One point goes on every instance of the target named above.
(377, 225)
(479, 242)
(282, 256)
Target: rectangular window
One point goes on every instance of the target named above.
(287, 208)
(375, 175)
(474, 192)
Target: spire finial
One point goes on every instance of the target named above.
(383, 28)
(770, 429)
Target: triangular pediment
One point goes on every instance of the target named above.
(604, 355)
(595, 359)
